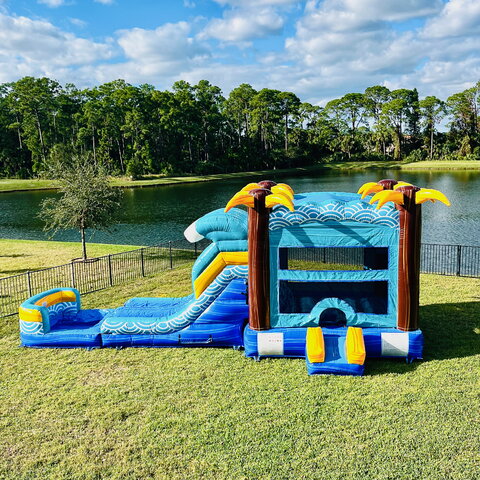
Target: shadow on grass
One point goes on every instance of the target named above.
(451, 330)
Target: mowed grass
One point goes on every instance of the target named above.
(19, 256)
(443, 165)
(213, 414)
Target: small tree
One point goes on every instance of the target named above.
(87, 200)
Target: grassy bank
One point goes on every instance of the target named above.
(212, 414)
(442, 165)
(19, 256)
(12, 185)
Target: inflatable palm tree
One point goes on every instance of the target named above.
(408, 199)
(260, 197)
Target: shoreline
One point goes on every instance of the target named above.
(20, 185)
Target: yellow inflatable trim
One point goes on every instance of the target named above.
(355, 346)
(315, 345)
(216, 266)
(34, 315)
(29, 315)
(57, 297)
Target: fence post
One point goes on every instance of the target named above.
(142, 262)
(72, 271)
(459, 259)
(170, 250)
(29, 284)
(110, 276)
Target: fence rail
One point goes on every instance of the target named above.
(110, 270)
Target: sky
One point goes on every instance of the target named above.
(318, 49)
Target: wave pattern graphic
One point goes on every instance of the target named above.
(32, 328)
(177, 322)
(337, 211)
(56, 313)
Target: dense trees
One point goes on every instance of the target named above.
(137, 130)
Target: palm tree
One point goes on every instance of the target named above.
(260, 198)
(408, 199)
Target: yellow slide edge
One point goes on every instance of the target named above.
(30, 315)
(57, 297)
(355, 346)
(33, 315)
(216, 266)
(315, 345)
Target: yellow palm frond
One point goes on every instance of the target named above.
(402, 184)
(369, 187)
(425, 194)
(251, 186)
(284, 186)
(278, 199)
(387, 196)
(282, 190)
(240, 198)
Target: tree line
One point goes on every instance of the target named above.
(136, 130)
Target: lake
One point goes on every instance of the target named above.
(157, 214)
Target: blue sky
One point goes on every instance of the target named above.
(319, 49)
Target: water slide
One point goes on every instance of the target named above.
(215, 313)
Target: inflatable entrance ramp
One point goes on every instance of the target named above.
(336, 351)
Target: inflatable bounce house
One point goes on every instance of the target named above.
(330, 277)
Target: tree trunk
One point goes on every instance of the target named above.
(93, 146)
(431, 142)
(40, 134)
(84, 243)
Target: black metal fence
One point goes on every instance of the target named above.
(110, 270)
(96, 273)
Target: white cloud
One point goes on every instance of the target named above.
(105, 2)
(347, 45)
(52, 3)
(458, 18)
(77, 22)
(337, 46)
(244, 25)
(389, 10)
(36, 47)
(169, 42)
(255, 3)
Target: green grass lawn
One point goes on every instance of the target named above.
(213, 414)
(442, 165)
(19, 256)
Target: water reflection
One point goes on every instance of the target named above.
(152, 215)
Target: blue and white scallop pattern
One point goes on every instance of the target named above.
(31, 328)
(56, 313)
(337, 211)
(172, 324)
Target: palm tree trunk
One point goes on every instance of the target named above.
(409, 261)
(259, 260)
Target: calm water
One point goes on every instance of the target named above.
(153, 215)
